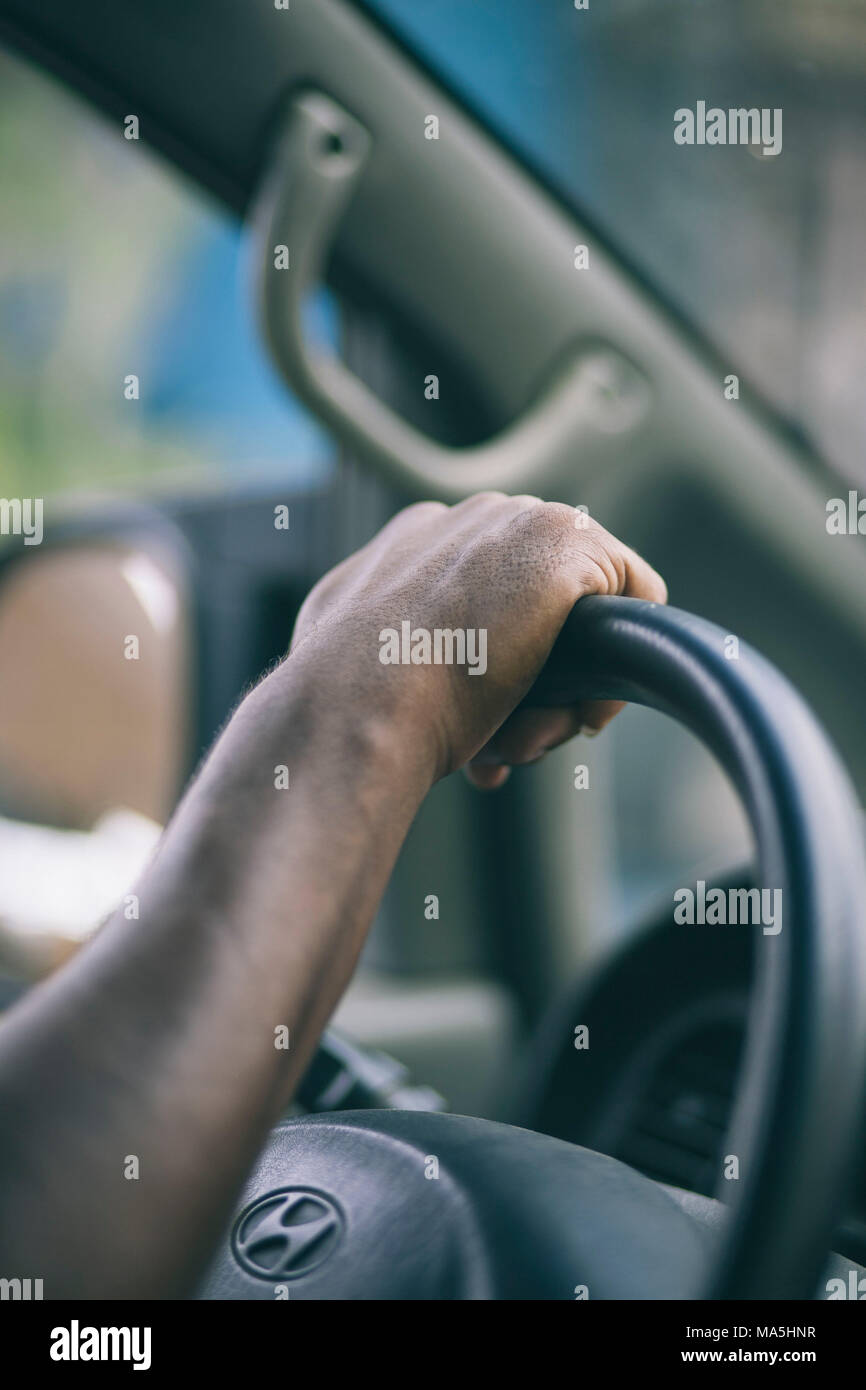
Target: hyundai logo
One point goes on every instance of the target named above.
(286, 1234)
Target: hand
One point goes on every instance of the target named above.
(504, 572)
(255, 908)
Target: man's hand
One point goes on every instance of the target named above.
(512, 567)
(161, 1038)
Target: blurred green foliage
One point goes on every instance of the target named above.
(93, 232)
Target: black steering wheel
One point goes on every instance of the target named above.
(401, 1204)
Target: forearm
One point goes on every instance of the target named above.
(156, 1048)
(161, 1042)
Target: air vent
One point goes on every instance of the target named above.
(674, 1128)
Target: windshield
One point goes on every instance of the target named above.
(760, 244)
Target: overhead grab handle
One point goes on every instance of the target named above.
(318, 163)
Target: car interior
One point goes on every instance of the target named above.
(271, 272)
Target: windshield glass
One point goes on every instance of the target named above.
(128, 360)
(758, 241)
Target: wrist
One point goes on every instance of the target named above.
(357, 716)
(335, 740)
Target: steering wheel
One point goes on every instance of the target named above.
(411, 1205)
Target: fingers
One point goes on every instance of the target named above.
(597, 713)
(486, 778)
(642, 581)
(529, 734)
(513, 565)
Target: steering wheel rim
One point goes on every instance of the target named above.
(799, 1103)
(798, 1106)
